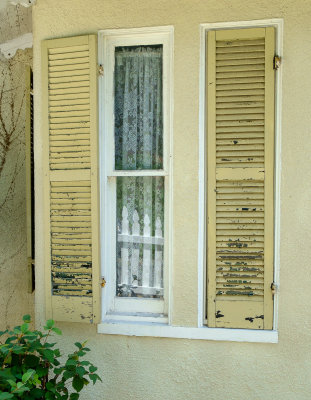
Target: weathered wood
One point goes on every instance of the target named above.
(70, 84)
(238, 129)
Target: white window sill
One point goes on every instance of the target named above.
(114, 327)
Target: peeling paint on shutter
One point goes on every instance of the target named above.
(70, 107)
(240, 115)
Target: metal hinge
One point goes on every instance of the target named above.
(274, 288)
(103, 282)
(276, 62)
(101, 70)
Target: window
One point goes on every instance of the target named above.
(108, 185)
(240, 178)
(135, 185)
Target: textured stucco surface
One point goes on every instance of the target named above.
(15, 301)
(151, 368)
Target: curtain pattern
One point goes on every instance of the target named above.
(139, 145)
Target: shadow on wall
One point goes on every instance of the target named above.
(15, 300)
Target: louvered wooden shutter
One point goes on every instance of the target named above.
(71, 186)
(240, 163)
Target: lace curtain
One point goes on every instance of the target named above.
(139, 145)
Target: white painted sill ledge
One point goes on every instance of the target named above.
(113, 327)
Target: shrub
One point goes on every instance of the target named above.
(30, 367)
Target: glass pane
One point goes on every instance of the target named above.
(140, 239)
(138, 108)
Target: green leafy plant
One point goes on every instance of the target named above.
(30, 367)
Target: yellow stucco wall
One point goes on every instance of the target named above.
(155, 368)
(15, 300)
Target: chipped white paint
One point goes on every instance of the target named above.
(9, 48)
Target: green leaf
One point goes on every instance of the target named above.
(79, 345)
(11, 383)
(56, 362)
(24, 328)
(57, 353)
(51, 387)
(49, 396)
(27, 375)
(49, 324)
(85, 363)
(71, 362)
(68, 375)
(48, 345)
(94, 378)
(37, 393)
(77, 383)
(74, 396)
(6, 396)
(11, 339)
(31, 360)
(41, 371)
(93, 369)
(58, 371)
(49, 355)
(81, 371)
(17, 330)
(27, 318)
(18, 349)
(57, 331)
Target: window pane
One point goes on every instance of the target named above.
(140, 239)
(138, 108)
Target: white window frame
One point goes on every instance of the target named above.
(113, 307)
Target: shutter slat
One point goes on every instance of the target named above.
(240, 75)
(79, 81)
(69, 55)
(238, 159)
(71, 106)
(68, 49)
(67, 75)
(239, 56)
(231, 44)
(240, 48)
(73, 112)
(241, 68)
(70, 61)
(68, 68)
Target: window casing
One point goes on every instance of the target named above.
(135, 223)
